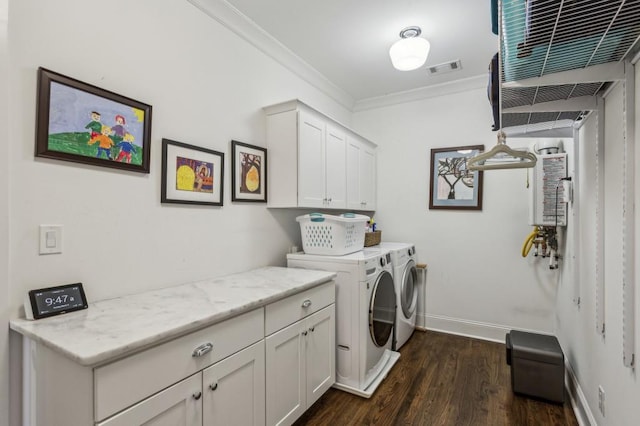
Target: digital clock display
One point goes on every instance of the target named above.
(51, 301)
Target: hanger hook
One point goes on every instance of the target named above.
(502, 137)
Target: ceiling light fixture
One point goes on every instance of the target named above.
(410, 52)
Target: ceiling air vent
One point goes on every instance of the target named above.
(445, 67)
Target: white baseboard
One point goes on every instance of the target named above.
(461, 327)
(581, 408)
(496, 333)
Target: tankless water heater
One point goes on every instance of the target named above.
(547, 206)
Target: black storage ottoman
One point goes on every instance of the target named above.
(537, 365)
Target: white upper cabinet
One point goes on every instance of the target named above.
(335, 168)
(361, 174)
(308, 160)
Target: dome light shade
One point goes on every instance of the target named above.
(411, 51)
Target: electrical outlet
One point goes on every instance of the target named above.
(601, 400)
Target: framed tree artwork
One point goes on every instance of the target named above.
(82, 123)
(248, 172)
(452, 185)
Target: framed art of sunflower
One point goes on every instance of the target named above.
(248, 172)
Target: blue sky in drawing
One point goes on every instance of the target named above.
(70, 111)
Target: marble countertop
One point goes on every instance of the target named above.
(115, 327)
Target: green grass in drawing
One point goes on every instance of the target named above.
(78, 143)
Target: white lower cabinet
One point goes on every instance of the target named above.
(224, 374)
(207, 398)
(300, 363)
(233, 389)
(320, 353)
(178, 405)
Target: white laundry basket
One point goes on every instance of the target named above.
(332, 235)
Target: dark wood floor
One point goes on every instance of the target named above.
(441, 379)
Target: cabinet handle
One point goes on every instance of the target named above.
(213, 386)
(197, 395)
(203, 349)
(329, 200)
(306, 303)
(304, 333)
(312, 329)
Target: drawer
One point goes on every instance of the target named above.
(289, 310)
(123, 383)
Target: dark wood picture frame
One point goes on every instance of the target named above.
(463, 190)
(191, 174)
(248, 172)
(69, 124)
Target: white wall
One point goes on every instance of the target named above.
(4, 218)
(206, 85)
(597, 360)
(477, 281)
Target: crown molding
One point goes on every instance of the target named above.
(234, 20)
(462, 85)
(231, 18)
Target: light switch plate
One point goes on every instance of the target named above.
(50, 239)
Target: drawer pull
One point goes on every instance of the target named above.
(203, 349)
(213, 386)
(197, 395)
(306, 303)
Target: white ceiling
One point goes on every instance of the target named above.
(348, 41)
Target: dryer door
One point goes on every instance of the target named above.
(382, 309)
(409, 290)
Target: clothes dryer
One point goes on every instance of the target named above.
(405, 275)
(365, 316)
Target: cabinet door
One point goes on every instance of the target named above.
(320, 352)
(354, 200)
(368, 177)
(336, 171)
(285, 375)
(311, 166)
(234, 389)
(178, 405)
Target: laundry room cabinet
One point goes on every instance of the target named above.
(321, 163)
(132, 361)
(207, 398)
(300, 358)
(240, 374)
(178, 405)
(308, 159)
(361, 174)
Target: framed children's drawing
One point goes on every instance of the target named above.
(82, 123)
(248, 172)
(191, 174)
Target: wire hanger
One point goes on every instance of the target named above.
(503, 157)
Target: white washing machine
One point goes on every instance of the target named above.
(405, 275)
(365, 316)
